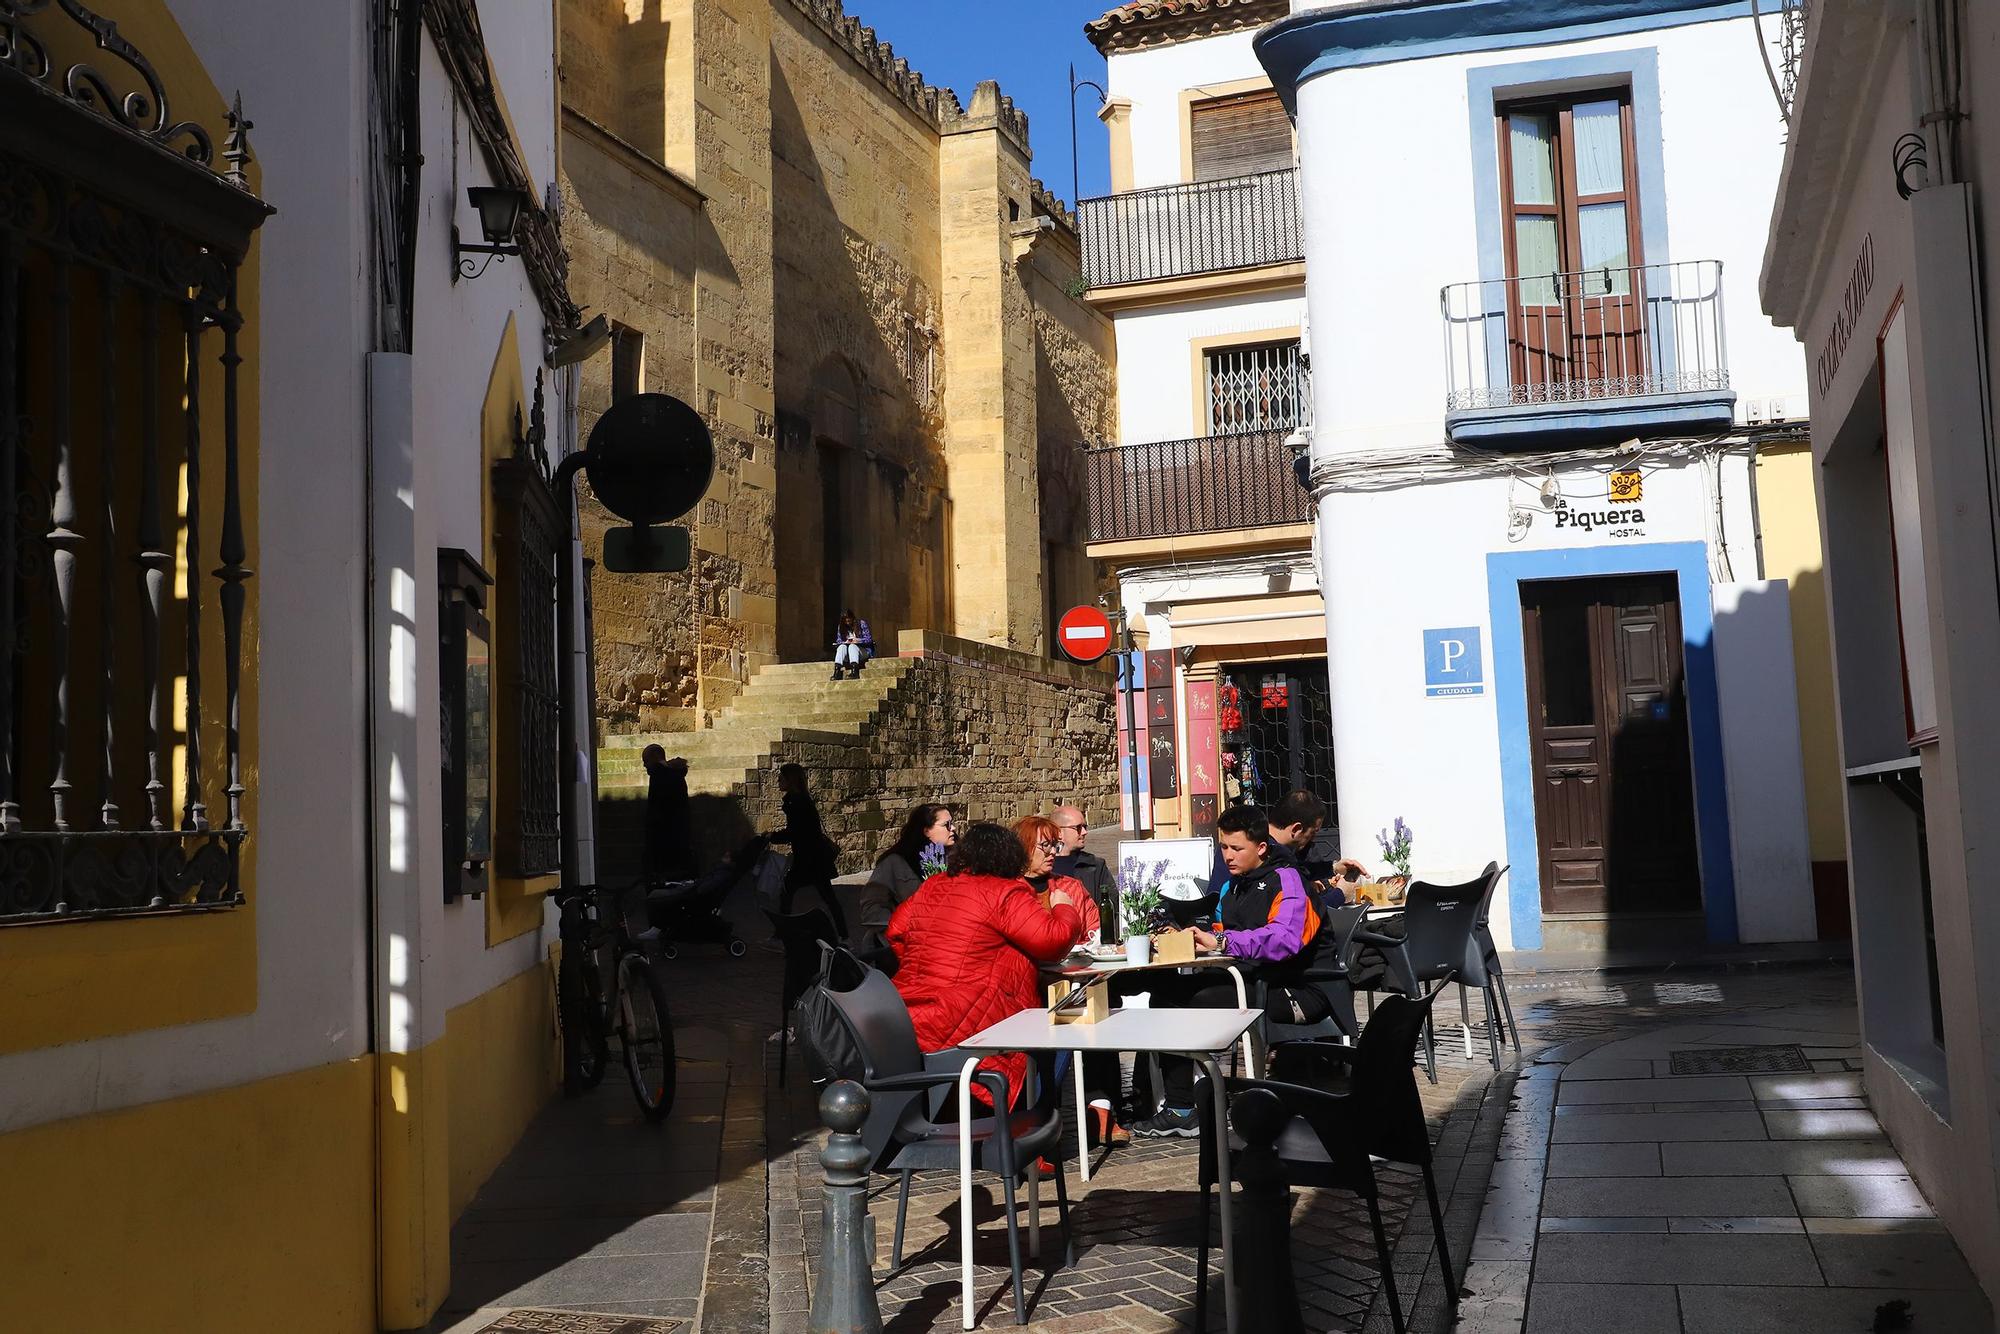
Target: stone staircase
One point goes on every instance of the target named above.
(787, 711)
(784, 702)
(995, 732)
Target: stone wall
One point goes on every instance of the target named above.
(996, 734)
(819, 246)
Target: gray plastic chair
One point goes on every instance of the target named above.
(1438, 923)
(907, 1090)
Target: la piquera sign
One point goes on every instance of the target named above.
(1623, 516)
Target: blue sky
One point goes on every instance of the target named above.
(1028, 46)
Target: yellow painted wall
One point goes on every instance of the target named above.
(1788, 515)
(500, 1064)
(246, 1209)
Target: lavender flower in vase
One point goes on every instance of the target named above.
(931, 860)
(1395, 843)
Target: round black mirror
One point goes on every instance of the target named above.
(651, 459)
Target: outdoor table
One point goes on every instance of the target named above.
(1076, 969)
(1200, 1035)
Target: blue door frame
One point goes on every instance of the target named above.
(1505, 573)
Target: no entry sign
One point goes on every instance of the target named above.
(1084, 634)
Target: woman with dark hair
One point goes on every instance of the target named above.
(918, 853)
(813, 853)
(967, 943)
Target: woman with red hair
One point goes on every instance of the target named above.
(1042, 841)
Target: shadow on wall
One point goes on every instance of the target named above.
(859, 515)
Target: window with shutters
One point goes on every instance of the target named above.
(1239, 135)
(1259, 387)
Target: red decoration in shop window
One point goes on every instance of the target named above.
(1230, 715)
(1277, 694)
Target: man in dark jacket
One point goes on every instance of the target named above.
(1087, 867)
(669, 829)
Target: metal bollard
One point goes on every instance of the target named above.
(843, 1299)
(1266, 1293)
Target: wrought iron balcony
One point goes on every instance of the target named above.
(1608, 349)
(1177, 230)
(1177, 488)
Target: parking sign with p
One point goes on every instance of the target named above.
(1453, 664)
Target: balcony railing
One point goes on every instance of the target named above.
(1177, 230)
(1651, 330)
(1213, 484)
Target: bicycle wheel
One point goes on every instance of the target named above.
(579, 1016)
(646, 1030)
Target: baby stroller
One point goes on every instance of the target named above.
(690, 911)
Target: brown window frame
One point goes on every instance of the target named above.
(1568, 205)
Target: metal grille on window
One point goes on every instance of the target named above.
(1256, 388)
(123, 547)
(526, 538)
(920, 359)
(1276, 721)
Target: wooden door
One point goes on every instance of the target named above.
(1576, 299)
(1608, 724)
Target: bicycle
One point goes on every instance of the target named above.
(634, 1003)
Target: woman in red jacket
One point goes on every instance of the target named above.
(967, 943)
(1042, 842)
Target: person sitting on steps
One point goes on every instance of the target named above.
(853, 645)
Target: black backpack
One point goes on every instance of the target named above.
(824, 1038)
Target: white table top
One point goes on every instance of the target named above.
(1195, 1030)
(1076, 965)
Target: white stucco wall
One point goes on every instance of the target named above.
(1159, 387)
(1154, 79)
(1384, 237)
(458, 334)
(1403, 561)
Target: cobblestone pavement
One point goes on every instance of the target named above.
(591, 1215)
(1134, 1221)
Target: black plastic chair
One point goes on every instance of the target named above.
(1489, 955)
(1328, 976)
(907, 1091)
(1333, 1135)
(801, 933)
(1438, 922)
(1186, 912)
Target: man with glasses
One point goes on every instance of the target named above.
(1086, 867)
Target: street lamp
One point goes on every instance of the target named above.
(1075, 84)
(499, 208)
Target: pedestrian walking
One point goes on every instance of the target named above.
(919, 852)
(813, 853)
(669, 853)
(853, 645)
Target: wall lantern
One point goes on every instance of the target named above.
(465, 698)
(499, 209)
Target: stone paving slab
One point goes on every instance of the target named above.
(1666, 1197)
(1588, 1308)
(1855, 1157)
(1727, 1310)
(1695, 1258)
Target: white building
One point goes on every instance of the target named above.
(1884, 211)
(1197, 255)
(1541, 392)
(264, 1032)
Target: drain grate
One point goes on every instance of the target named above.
(579, 1322)
(1775, 1060)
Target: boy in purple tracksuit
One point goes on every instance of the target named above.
(1268, 920)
